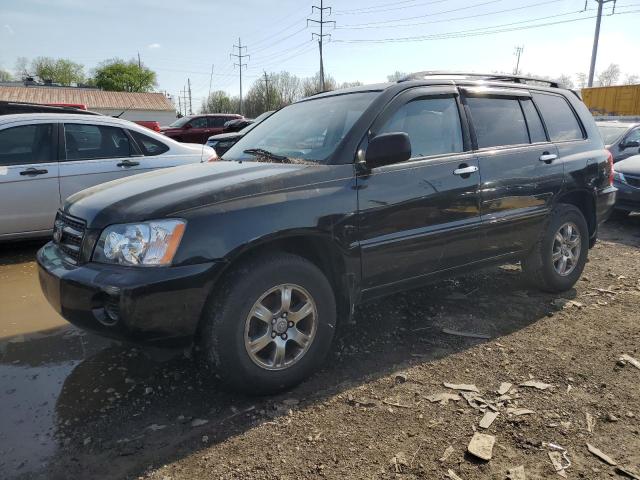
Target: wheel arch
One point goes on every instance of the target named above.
(586, 203)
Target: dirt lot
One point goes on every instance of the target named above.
(76, 406)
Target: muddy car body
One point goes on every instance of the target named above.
(403, 184)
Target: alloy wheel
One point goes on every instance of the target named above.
(565, 251)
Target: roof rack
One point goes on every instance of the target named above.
(500, 77)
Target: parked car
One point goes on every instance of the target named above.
(622, 139)
(197, 128)
(626, 179)
(45, 157)
(224, 141)
(12, 108)
(150, 124)
(332, 201)
(236, 125)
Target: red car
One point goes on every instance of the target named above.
(150, 124)
(198, 128)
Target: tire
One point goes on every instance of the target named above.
(542, 268)
(227, 323)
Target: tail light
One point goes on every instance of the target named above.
(610, 166)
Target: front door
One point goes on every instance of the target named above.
(520, 169)
(419, 216)
(29, 195)
(199, 131)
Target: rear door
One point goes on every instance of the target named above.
(520, 169)
(422, 215)
(216, 125)
(29, 194)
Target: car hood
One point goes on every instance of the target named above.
(629, 165)
(169, 191)
(226, 136)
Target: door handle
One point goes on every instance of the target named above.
(127, 163)
(33, 171)
(465, 170)
(547, 157)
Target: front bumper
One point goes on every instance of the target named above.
(159, 305)
(628, 197)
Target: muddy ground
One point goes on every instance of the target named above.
(77, 406)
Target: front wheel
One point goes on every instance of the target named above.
(270, 325)
(557, 260)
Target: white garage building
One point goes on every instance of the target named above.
(137, 106)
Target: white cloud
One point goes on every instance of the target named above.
(153, 45)
(8, 29)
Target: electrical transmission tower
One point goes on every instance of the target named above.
(240, 65)
(517, 53)
(596, 37)
(320, 35)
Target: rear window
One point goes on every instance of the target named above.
(559, 118)
(86, 142)
(611, 133)
(26, 144)
(149, 146)
(498, 121)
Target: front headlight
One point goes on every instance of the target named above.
(618, 176)
(143, 244)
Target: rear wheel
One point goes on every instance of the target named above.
(558, 258)
(271, 324)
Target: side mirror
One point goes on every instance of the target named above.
(630, 144)
(388, 148)
(188, 126)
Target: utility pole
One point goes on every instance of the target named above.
(179, 105)
(596, 38)
(184, 98)
(266, 90)
(210, 80)
(240, 65)
(321, 35)
(517, 53)
(139, 62)
(190, 106)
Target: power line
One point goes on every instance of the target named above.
(240, 65)
(384, 7)
(321, 35)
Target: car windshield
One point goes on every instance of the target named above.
(610, 133)
(181, 122)
(308, 131)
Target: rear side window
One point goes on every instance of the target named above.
(218, 122)
(27, 144)
(433, 126)
(149, 146)
(536, 130)
(559, 118)
(88, 142)
(498, 121)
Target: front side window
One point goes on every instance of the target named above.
(559, 118)
(88, 142)
(200, 122)
(634, 136)
(433, 126)
(498, 121)
(27, 144)
(149, 146)
(307, 131)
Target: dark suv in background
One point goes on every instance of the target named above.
(335, 200)
(197, 128)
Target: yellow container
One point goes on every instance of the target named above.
(618, 100)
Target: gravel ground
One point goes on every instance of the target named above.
(370, 413)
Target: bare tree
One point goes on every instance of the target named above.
(395, 76)
(22, 68)
(581, 79)
(565, 81)
(609, 76)
(631, 79)
(312, 85)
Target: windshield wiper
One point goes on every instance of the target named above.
(261, 152)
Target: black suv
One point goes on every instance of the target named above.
(335, 200)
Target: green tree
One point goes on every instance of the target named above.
(61, 70)
(5, 76)
(121, 76)
(220, 102)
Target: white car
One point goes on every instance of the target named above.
(45, 157)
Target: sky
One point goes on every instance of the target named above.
(183, 39)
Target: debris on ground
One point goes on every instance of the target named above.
(447, 453)
(443, 398)
(519, 411)
(462, 386)
(488, 419)
(504, 388)
(591, 422)
(460, 333)
(629, 359)
(452, 475)
(535, 384)
(625, 472)
(601, 455)
(516, 473)
(481, 446)
(401, 377)
(198, 422)
(556, 461)
(399, 462)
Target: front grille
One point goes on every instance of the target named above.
(633, 181)
(68, 233)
